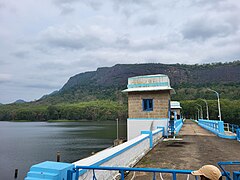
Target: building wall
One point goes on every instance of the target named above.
(160, 104)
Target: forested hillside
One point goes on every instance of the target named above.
(190, 81)
(105, 85)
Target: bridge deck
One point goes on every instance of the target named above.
(196, 148)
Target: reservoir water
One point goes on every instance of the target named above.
(23, 144)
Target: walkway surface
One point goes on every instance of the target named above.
(193, 148)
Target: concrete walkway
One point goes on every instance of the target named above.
(196, 147)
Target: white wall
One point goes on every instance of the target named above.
(135, 126)
(124, 155)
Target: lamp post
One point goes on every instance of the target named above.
(206, 108)
(117, 127)
(201, 110)
(198, 113)
(219, 109)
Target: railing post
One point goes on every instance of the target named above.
(122, 174)
(163, 130)
(77, 174)
(174, 176)
(154, 176)
(238, 134)
(220, 127)
(150, 137)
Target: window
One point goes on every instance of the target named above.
(147, 104)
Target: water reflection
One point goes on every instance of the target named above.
(26, 143)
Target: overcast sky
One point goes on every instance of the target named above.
(43, 43)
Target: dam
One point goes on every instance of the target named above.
(158, 141)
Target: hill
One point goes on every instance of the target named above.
(189, 81)
(19, 101)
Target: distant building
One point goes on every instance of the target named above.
(148, 103)
(175, 107)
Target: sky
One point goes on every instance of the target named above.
(44, 43)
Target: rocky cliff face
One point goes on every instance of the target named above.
(108, 81)
(193, 74)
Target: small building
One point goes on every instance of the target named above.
(176, 109)
(148, 103)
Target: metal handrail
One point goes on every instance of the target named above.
(225, 173)
(122, 170)
(234, 127)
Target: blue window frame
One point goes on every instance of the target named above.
(147, 104)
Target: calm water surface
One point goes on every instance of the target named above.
(23, 144)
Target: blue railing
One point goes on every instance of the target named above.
(74, 174)
(212, 125)
(216, 127)
(238, 134)
(178, 125)
(233, 128)
(123, 170)
(236, 174)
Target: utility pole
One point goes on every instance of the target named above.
(206, 107)
(201, 110)
(219, 108)
(117, 127)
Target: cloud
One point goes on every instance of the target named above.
(94, 4)
(21, 54)
(2, 5)
(204, 28)
(76, 37)
(150, 20)
(5, 78)
(42, 85)
(69, 6)
(66, 6)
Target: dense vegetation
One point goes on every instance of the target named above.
(93, 110)
(97, 95)
(229, 109)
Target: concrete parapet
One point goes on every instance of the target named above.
(126, 154)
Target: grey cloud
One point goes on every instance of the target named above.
(95, 4)
(122, 42)
(2, 5)
(65, 1)
(89, 62)
(119, 3)
(52, 66)
(21, 54)
(77, 38)
(68, 6)
(86, 42)
(148, 21)
(5, 78)
(66, 10)
(41, 86)
(203, 29)
(206, 3)
(130, 7)
(215, 5)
